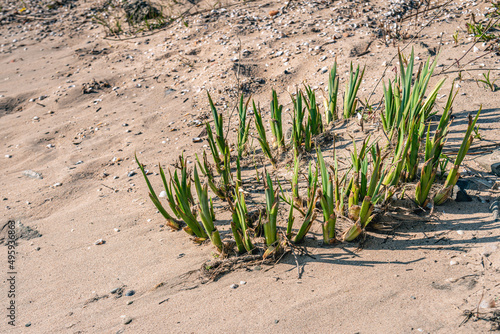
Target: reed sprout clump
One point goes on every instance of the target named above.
(342, 195)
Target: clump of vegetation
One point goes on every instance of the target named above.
(132, 17)
(377, 171)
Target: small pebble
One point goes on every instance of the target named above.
(115, 290)
(28, 324)
(99, 242)
(58, 184)
(130, 302)
(36, 118)
(197, 140)
(453, 262)
(163, 193)
(8, 156)
(79, 162)
(132, 173)
(243, 282)
(234, 286)
(127, 320)
(130, 293)
(460, 232)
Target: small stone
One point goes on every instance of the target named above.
(124, 124)
(460, 232)
(117, 230)
(36, 118)
(130, 293)
(50, 146)
(58, 184)
(490, 162)
(163, 193)
(8, 156)
(273, 13)
(257, 268)
(115, 290)
(79, 162)
(127, 320)
(453, 263)
(324, 70)
(243, 282)
(99, 242)
(28, 324)
(276, 321)
(130, 302)
(197, 140)
(130, 174)
(234, 286)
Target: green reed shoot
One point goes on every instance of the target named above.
(314, 119)
(327, 197)
(184, 201)
(171, 221)
(333, 89)
(243, 126)
(272, 205)
(298, 129)
(239, 225)
(433, 149)
(276, 121)
(366, 209)
(219, 126)
(264, 144)
(351, 90)
(453, 175)
(205, 210)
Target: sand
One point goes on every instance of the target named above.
(76, 105)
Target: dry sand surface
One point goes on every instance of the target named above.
(76, 103)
